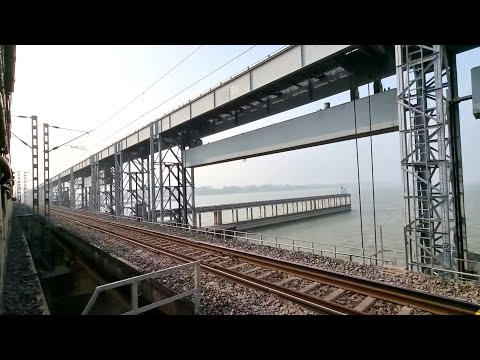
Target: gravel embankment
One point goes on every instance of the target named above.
(218, 295)
(22, 292)
(467, 291)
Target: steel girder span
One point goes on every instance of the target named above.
(289, 79)
(292, 77)
(159, 171)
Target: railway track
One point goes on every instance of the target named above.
(318, 289)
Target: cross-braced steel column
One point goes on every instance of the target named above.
(176, 183)
(424, 126)
(63, 194)
(94, 204)
(157, 200)
(78, 191)
(54, 192)
(152, 194)
(118, 179)
(136, 187)
(71, 187)
(106, 186)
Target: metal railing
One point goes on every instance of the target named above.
(459, 275)
(260, 239)
(332, 250)
(133, 281)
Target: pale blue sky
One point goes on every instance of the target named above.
(81, 86)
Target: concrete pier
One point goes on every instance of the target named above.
(249, 215)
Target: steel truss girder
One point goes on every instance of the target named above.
(423, 84)
(150, 187)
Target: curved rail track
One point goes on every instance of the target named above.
(312, 287)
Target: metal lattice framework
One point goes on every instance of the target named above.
(25, 187)
(46, 172)
(118, 179)
(54, 190)
(135, 187)
(177, 187)
(94, 203)
(35, 203)
(426, 162)
(106, 192)
(79, 190)
(71, 190)
(64, 194)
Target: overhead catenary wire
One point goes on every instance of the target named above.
(148, 88)
(358, 164)
(69, 141)
(21, 140)
(173, 96)
(119, 111)
(62, 128)
(373, 178)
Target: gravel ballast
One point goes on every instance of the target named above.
(219, 296)
(22, 292)
(467, 291)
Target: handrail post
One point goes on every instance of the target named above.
(134, 297)
(90, 302)
(198, 293)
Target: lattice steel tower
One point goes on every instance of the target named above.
(19, 187)
(435, 233)
(35, 203)
(25, 187)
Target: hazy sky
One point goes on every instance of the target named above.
(80, 87)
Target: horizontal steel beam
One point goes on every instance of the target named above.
(322, 127)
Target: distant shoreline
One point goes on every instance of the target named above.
(209, 190)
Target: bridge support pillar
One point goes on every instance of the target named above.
(435, 233)
(217, 217)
